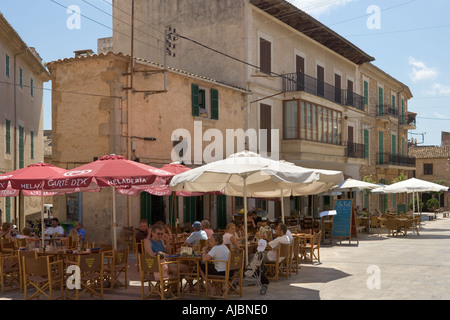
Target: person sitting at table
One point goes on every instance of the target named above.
(240, 232)
(216, 251)
(55, 229)
(167, 237)
(282, 238)
(154, 245)
(80, 231)
(206, 226)
(6, 232)
(197, 234)
(256, 219)
(264, 232)
(141, 233)
(229, 238)
(32, 239)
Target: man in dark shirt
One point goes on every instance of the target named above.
(257, 220)
(141, 233)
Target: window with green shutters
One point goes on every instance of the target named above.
(393, 103)
(214, 104)
(366, 93)
(21, 147)
(7, 66)
(366, 144)
(32, 87)
(8, 136)
(32, 145)
(200, 104)
(21, 77)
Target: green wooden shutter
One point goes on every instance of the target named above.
(366, 144)
(394, 144)
(380, 147)
(21, 77)
(32, 87)
(214, 104)
(21, 147)
(366, 93)
(195, 100)
(403, 112)
(8, 209)
(8, 136)
(7, 66)
(32, 144)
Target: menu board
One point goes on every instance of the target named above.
(343, 219)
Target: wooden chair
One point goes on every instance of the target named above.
(128, 237)
(160, 284)
(43, 275)
(391, 226)
(91, 275)
(295, 255)
(217, 282)
(236, 271)
(22, 255)
(117, 264)
(9, 272)
(7, 246)
(375, 223)
(313, 246)
(410, 224)
(286, 263)
(272, 268)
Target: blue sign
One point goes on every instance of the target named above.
(342, 221)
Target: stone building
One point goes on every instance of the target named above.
(100, 108)
(433, 164)
(331, 106)
(22, 75)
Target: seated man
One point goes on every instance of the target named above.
(80, 230)
(55, 229)
(282, 238)
(197, 234)
(265, 231)
(141, 233)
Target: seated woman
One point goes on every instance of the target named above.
(229, 237)
(7, 232)
(217, 251)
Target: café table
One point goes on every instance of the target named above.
(192, 275)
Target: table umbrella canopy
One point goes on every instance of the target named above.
(352, 184)
(414, 185)
(228, 175)
(30, 180)
(30, 177)
(108, 171)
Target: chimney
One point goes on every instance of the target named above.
(86, 52)
(445, 138)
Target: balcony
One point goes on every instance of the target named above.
(408, 121)
(354, 150)
(302, 82)
(395, 160)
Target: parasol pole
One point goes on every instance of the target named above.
(42, 217)
(114, 218)
(282, 206)
(245, 220)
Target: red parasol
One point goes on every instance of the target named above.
(109, 171)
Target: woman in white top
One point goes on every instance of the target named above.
(229, 237)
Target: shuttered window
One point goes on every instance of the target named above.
(380, 147)
(366, 93)
(21, 77)
(7, 66)
(32, 144)
(21, 147)
(265, 54)
(214, 104)
(266, 123)
(195, 100)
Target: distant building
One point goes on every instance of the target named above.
(433, 164)
(22, 76)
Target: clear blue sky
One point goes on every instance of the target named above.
(408, 38)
